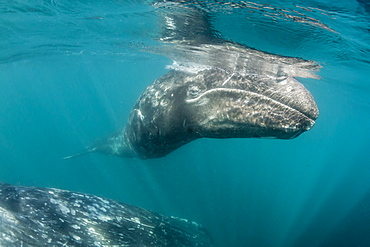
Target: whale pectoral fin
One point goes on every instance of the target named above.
(80, 154)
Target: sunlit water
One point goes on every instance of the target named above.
(70, 72)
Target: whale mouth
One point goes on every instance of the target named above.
(250, 114)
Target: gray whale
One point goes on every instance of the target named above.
(215, 89)
(31, 216)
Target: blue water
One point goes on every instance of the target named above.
(71, 71)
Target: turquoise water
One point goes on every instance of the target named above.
(71, 71)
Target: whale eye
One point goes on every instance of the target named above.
(193, 91)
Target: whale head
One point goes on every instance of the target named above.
(220, 105)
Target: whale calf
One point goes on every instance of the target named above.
(214, 89)
(31, 216)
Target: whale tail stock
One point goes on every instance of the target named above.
(87, 151)
(115, 145)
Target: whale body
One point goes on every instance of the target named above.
(31, 216)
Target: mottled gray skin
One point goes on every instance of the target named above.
(31, 216)
(179, 108)
(216, 89)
